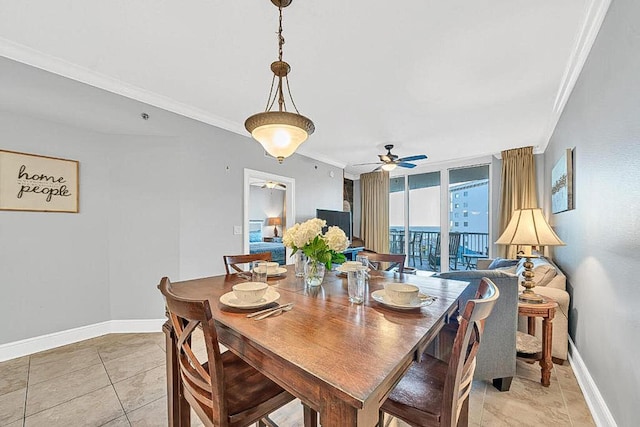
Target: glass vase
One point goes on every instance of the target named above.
(313, 272)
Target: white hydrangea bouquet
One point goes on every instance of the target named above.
(325, 248)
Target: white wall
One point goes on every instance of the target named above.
(149, 206)
(601, 122)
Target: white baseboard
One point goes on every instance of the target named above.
(57, 339)
(598, 407)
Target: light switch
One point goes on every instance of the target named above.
(237, 229)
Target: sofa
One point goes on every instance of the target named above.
(496, 358)
(551, 282)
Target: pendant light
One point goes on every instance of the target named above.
(280, 132)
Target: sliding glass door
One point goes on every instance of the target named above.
(435, 236)
(468, 216)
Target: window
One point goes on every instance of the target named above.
(465, 194)
(456, 215)
(457, 205)
(465, 214)
(457, 224)
(456, 195)
(466, 224)
(465, 204)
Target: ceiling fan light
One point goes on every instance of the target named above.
(389, 167)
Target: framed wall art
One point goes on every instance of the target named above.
(562, 183)
(29, 182)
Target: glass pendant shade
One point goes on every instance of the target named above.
(280, 133)
(389, 166)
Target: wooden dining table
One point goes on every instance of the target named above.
(340, 359)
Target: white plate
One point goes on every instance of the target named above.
(342, 272)
(279, 271)
(230, 299)
(422, 301)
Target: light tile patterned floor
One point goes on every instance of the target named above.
(119, 380)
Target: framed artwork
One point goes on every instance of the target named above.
(562, 183)
(29, 182)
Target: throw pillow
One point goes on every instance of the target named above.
(255, 236)
(502, 262)
(474, 274)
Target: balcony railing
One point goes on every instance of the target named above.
(424, 243)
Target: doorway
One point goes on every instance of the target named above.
(284, 184)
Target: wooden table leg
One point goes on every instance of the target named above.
(531, 325)
(545, 361)
(310, 417)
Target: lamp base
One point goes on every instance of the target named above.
(530, 298)
(275, 231)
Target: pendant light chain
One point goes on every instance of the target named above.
(280, 132)
(280, 38)
(281, 104)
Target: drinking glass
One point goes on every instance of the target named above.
(259, 271)
(363, 259)
(355, 284)
(300, 259)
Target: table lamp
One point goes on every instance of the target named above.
(528, 228)
(275, 221)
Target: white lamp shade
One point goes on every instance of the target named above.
(389, 167)
(529, 227)
(280, 140)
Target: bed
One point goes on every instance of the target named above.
(256, 245)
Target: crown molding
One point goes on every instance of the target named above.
(43, 61)
(594, 17)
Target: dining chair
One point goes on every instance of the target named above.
(394, 260)
(233, 260)
(434, 392)
(223, 390)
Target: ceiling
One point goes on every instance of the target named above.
(449, 79)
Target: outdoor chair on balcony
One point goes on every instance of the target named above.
(415, 246)
(434, 252)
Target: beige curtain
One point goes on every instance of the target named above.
(374, 189)
(518, 189)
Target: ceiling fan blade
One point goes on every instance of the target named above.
(366, 164)
(406, 165)
(412, 158)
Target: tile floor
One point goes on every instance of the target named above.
(119, 380)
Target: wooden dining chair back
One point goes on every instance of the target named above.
(222, 389)
(434, 392)
(392, 260)
(233, 260)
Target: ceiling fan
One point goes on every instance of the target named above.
(273, 184)
(390, 161)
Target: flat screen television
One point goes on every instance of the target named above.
(338, 218)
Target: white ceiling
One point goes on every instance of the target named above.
(450, 79)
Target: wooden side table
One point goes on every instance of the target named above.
(546, 311)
